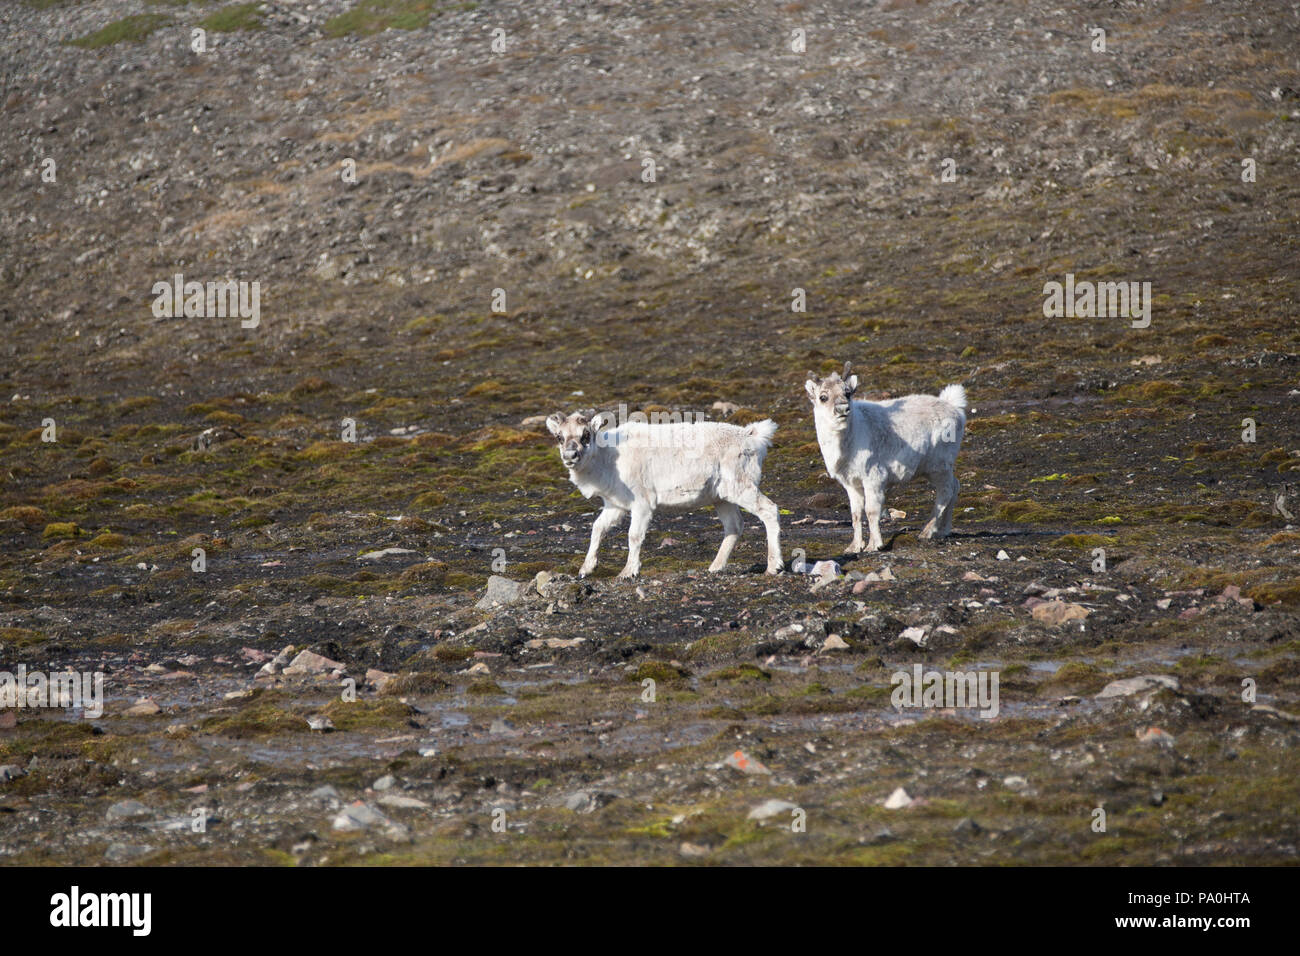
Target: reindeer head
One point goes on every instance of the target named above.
(832, 396)
(577, 434)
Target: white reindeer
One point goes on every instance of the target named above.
(871, 446)
(639, 468)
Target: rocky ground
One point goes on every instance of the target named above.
(381, 171)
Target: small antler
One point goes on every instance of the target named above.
(812, 376)
(847, 370)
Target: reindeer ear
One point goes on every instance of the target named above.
(848, 369)
(554, 422)
(601, 421)
(851, 385)
(810, 387)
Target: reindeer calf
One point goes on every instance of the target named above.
(870, 446)
(637, 468)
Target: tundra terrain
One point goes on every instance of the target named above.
(273, 535)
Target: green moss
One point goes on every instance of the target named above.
(1020, 511)
(61, 529)
(1077, 676)
(26, 514)
(739, 672)
(1084, 541)
(725, 643)
(382, 714)
(658, 671)
(375, 16)
(239, 16)
(132, 29)
(266, 714)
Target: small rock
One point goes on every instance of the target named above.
(967, 827)
(825, 582)
(825, 569)
(1135, 685)
(309, 662)
(898, 800)
(914, 634)
(401, 802)
(772, 808)
(1003, 556)
(788, 632)
(11, 771)
(144, 707)
(385, 553)
(378, 678)
(555, 643)
(277, 663)
(1154, 735)
(586, 801)
(692, 849)
(725, 408)
(1016, 783)
(320, 723)
(501, 726)
(745, 763)
(386, 782)
(127, 810)
(362, 816)
(1058, 612)
(835, 643)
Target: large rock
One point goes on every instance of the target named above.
(501, 592)
(309, 662)
(1058, 612)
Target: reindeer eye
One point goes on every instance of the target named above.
(823, 398)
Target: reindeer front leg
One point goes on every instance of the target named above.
(609, 517)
